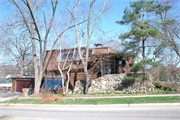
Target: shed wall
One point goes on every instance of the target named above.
(19, 83)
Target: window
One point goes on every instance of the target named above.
(90, 52)
(120, 67)
(57, 83)
(45, 84)
(51, 73)
(52, 83)
(106, 69)
(70, 56)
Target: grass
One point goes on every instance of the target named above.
(118, 94)
(163, 92)
(127, 100)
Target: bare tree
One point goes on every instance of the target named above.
(90, 29)
(169, 26)
(161, 73)
(104, 38)
(30, 12)
(8, 69)
(100, 63)
(172, 62)
(65, 66)
(17, 46)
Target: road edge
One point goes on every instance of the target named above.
(89, 106)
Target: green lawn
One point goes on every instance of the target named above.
(127, 100)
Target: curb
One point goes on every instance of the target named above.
(90, 106)
(160, 95)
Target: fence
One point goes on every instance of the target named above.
(4, 90)
(5, 85)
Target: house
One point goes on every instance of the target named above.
(101, 61)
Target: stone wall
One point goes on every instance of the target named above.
(79, 87)
(143, 83)
(114, 82)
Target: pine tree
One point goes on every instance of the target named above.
(138, 16)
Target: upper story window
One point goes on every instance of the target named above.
(90, 52)
(69, 56)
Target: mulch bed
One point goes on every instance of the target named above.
(49, 99)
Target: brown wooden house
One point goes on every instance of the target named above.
(101, 62)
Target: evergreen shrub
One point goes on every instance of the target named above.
(157, 85)
(167, 88)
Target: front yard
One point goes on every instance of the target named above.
(127, 100)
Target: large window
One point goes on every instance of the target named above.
(69, 57)
(52, 83)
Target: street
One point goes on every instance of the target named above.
(91, 112)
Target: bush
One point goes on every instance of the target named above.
(109, 92)
(131, 92)
(125, 92)
(167, 88)
(157, 85)
(102, 92)
(117, 92)
(144, 91)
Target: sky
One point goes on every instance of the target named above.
(107, 22)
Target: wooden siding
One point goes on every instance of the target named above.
(24, 84)
(19, 83)
(77, 69)
(53, 64)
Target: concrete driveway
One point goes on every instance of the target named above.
(10, 96)
(16, 94)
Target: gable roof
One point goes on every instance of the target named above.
(12, 75)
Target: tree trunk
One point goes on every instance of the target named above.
(37, 86)
(21, 71)
(102, 68)
(35, 58)
(88, 81)
(175, 85)
(67, 86)
(88, 77)
(143, 46)
(143, 40)
(127, 66)
(37, 83)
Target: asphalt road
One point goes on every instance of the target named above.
(96, 112)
